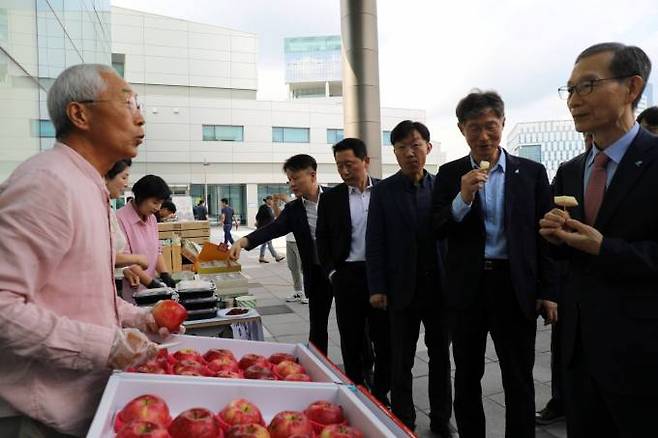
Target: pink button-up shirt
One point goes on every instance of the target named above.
(142, 238)
(58, 305)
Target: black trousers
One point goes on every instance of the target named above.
(360, 325)
(557, 381)
(593, 412)
(405, 328)
(513, 334)
(319, 297)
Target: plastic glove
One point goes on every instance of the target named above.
(130, 348)
(166, 279)
(133, 279)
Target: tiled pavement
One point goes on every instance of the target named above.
(270, 283)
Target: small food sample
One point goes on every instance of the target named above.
(484, 165)
(237, 311)
(565, 201)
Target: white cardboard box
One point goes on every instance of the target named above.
(182, 393)
(318, 371)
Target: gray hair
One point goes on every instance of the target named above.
(76, 83)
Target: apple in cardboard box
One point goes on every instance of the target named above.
(228, 374)
(247, 431)
(218, 353)
(240, 411)
(298, 378)
(188, 354)
(289, 423)
(146, 407)
(250, 359)
(323, 413)
(278, 357)
(340, 431)
(257, 372)
(195, 423)
(223, 363)
(169, 314)
(286, 367)
(143, 429)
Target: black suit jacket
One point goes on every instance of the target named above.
(611, 300)
(527, 199)
(391, 246)
(264, 216)
(293, 219)
(334, 228)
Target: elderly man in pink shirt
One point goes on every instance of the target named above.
(62, 326)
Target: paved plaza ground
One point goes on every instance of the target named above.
(288, 322)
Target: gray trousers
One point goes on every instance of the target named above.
(269, 246)
(294, 264)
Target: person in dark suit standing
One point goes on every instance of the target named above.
(300, 218)
(609, 308)
(341, 239)
(404, 268)
(487, 205)
(265, 216)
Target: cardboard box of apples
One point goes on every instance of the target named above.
(176, 406)
(205, 357)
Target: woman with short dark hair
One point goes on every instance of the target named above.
(139, 223)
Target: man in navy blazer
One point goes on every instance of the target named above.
(341, 240)
(609, 307)
(487, 205)
(300, 218)
(405, 275)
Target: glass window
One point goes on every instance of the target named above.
(531, 151)
(45, 128)
(334, 135)
(290, 135)
(223, 133)
(119, 63)
(386, 138)
(208, 132)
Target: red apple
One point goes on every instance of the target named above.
(150, 367)
(240, 411)
(322, 413)
(188, 354)
(287, 423)
(228, 374)
(298, 378)
(195, 423)
(147, 407)
(278, 357)
(258, 372)
(286, 367)
(340, 431)
(253, 359)
(247, 431)
(170, 314)
(143, 429)
(217, 353)
(223, 363)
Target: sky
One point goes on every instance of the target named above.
(432, 53)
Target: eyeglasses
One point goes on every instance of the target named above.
(585, 87)
(405, 147)
(132, 103)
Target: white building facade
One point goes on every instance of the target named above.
(204, 126)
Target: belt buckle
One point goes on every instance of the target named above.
(488, 265)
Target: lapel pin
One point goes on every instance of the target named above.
(516, 171)
(638, 163)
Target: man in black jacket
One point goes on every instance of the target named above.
(609, 308)
(405, 275)
(300, 218)
(487, 205)
(341, 239)
(265, 216)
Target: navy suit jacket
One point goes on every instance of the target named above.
(527, 199)
(391, 248)
(610, 301)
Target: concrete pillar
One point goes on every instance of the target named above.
(362, 118)
(252, 204)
